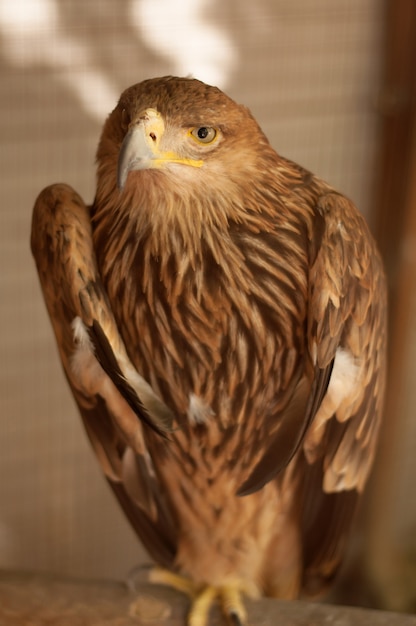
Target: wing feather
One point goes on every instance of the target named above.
(330, 425)
(79, 309)
(295, 421)
(108, 390)
(353, 334)
(347, 326)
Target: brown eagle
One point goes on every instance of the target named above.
(220, 314)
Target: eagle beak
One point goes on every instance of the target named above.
(141, 147)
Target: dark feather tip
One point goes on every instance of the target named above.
(109, 363)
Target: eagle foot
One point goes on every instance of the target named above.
(203, 597)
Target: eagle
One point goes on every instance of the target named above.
(220, 314)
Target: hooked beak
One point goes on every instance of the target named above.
(141, 147)
(137, 151)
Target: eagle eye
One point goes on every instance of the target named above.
(204, 134)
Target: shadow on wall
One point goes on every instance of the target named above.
(34, 33)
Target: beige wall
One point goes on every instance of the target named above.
(308, 69)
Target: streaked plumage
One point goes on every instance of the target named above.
(228, 348)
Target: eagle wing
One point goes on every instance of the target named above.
(347, 325)
(337, 431)
(114, 400)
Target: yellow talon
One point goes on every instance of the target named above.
(200, 607)
(162, 576)
(203, 597)
(232, 604)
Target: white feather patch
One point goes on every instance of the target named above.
(344, 378)
(343, 390)
(84, 365)
(198, 411)
(81, 336)
(90, 376)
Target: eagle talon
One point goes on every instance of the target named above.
(231, 605)
(235, 619)
(203, 597)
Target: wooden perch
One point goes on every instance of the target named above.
(39, 600)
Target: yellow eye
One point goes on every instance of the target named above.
(204, 134)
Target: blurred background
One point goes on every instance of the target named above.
(332, 83)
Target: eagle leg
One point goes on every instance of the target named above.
(204, 596)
